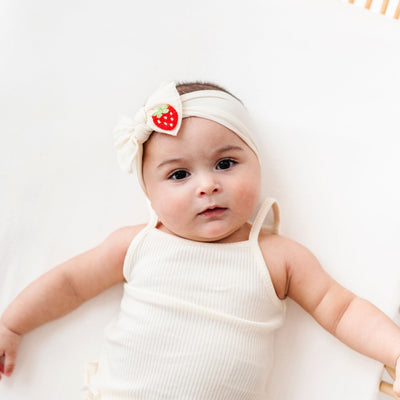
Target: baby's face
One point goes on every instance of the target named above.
(204, 183)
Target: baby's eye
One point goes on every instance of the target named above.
(178, 175)
(225, 163)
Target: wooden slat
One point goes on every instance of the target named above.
(397, 12)
(387, 388)
(368, 4)
(391, 372)
(384, 6)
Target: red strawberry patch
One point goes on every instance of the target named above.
(165, 117)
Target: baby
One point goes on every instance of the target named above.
(204, 289)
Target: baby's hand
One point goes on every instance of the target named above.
(9, 343)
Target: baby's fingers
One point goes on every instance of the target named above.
(1, 365)
(396, 387)
(7, 364)
(9, 343)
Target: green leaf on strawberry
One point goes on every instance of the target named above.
(160, 111)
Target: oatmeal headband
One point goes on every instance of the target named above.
(164, 111)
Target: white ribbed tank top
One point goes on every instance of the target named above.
(196, 321)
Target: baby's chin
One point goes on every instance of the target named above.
(211, 235)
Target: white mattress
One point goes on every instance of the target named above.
(322, 80)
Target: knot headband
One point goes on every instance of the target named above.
(164, 111)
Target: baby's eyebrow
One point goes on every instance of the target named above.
(170, 161)
(227, 148)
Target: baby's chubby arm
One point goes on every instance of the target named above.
(61, 290)
(354, 321)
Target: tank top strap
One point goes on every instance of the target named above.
(153, 220)
(263, 211)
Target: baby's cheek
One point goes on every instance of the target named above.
(247, 195)
(173, 208)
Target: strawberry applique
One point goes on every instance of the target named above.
(165, 117)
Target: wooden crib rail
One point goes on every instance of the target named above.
(383, 6)
(386, 387)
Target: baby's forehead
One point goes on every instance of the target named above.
(195, 131)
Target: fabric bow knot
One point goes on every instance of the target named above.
(130, 134)
(139, 127)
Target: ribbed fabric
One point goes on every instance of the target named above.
(196, 321)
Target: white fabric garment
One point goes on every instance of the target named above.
(196, 321)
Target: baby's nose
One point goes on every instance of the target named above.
(208, 185)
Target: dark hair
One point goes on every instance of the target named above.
(188, 87)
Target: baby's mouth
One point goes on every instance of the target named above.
(213, 211)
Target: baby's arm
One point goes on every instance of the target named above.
(354, 321)
(61, 290)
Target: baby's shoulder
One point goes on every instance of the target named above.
(129, 231)
(120, 239)
(275, 248)
(285, 258)
(272, 242)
